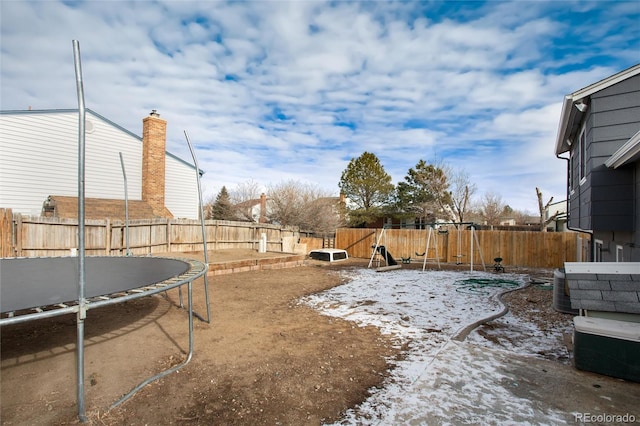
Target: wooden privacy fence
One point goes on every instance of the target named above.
(516, 248)
(33, 236)
(6, 233)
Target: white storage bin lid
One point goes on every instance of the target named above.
(608, 328)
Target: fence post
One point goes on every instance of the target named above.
(121, 241)
(6, 230)
(216, 225)
(578, 248)
(169, 223)
(18, 219)
(107, 237)
(255, 237)
(445, 246)
(514, 261)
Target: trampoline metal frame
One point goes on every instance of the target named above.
(196, 270)
(81, 305)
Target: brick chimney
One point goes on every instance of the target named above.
(263, 208)
(154, 142)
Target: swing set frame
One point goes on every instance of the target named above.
(432, 233)
(472, 238)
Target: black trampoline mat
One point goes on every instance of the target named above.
(33, 282)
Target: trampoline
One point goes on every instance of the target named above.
(43, 287)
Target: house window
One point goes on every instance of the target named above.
(597, 250)
(582, 156)
(619, 254)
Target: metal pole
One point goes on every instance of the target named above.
(82, 311)
(426, 251)
(375, 248)
(472, 231)
(174, 368)
(435, 238)
(204, 231)
(126, 207)
(475, 235)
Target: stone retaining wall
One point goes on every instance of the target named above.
(246, 265)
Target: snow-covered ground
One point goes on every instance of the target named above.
(440, 380)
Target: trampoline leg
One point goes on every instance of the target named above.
(206, 297)
(190, 297)
(80, 366)
(175, 367)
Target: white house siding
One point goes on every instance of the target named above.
(181, 189)
(103, 170)
(39, 157)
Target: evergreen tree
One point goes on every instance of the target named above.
(222, 209)
(368, 188)
(424, 192)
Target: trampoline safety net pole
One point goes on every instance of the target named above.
(204, 230)
(82, 312)
(126, 206)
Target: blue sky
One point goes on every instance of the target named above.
(271, 91)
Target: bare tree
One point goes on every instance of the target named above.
(304, 205)
(324, 214)
(522, 217)
(243, 197)
(462, 191)
(286, 201)
(492, 208)
(245, 191)
(542, 209)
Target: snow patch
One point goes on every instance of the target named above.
(439, 381)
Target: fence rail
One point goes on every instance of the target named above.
(33, 236)
(516, 248)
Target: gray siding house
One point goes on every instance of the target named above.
(600, 130)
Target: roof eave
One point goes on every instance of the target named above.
(606, 82)
(562, 144)
(627, 153)
(570, 114)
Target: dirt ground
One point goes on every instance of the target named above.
(263, 359)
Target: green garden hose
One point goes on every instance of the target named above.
(480, 286)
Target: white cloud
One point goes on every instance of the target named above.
(477, 86)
